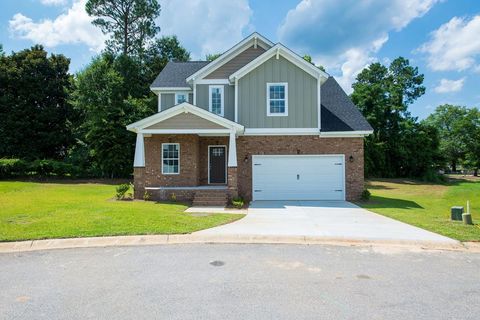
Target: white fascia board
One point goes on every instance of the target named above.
(345, 134)
(163, 89)
(227, 56)
(184, 107)
(280, 131)
(213, 81)
(185, 131)
(284, 52)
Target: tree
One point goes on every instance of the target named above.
(449, 120)
(212, 56)
(34, 109)
(470, 132)
(160, 52)
(129, 23)
(110, 94)
(308, 58)
(383, 95)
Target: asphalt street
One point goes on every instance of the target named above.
(208, 281)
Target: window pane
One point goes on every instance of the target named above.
(216, 99)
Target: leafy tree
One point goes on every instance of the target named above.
(212, 56)
(34, 109)
(2, 53)
(308, 58)
(110, 94)
(129, 23)
(449, 120)
(383, 95)
(470, 132)
(160, 52)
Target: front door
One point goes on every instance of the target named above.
(217, 164)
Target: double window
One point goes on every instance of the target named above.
(181, 97)
(215, 100)
(170, 158)
(277, 99)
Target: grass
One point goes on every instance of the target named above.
(427, 205)
(33, 210)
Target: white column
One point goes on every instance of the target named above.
(139, 152)
(232, 150)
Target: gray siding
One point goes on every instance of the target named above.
(236, 63)
(185, 121)
(229, 99)
(168, 100)
(302, 96)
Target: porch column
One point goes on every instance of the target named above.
(232, 166)
(139, 168)
(139, 160)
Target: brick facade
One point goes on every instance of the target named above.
(194, 161)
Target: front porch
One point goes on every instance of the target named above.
(186, 154)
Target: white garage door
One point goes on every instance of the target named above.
(298, 177)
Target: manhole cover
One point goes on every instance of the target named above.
(217, 263)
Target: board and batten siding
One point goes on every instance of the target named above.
(302, 96)
(168, 100)
(228, 102)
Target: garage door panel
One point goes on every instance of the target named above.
(299, 177)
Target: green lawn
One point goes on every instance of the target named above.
(428, 205)
(32, 210)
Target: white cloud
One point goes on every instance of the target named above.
(53, 2)
(446, 86)
(205, 26)
(72, 27)
(454, 45)
(345, 35)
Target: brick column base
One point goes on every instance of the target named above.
(232, 183)
(139, 182)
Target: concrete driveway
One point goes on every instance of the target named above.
(336, 220)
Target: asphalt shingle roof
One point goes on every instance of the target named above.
(338, 111)
(175, 73)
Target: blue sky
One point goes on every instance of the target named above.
(442, 38)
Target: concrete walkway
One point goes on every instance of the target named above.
(339, 220)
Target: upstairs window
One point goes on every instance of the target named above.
(170, 158)
(181, 97)
(215, 100)
(277, 99)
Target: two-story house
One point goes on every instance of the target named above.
(259, 122)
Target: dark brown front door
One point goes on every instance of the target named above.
(217, 155)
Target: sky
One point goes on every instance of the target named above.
(440, 37)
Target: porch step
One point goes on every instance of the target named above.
(206, 198)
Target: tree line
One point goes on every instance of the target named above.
(80, 119)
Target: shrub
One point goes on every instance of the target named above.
(147, 196)
(12, 168)
(365, 196)
(122, 190)
(238, 202)
(173, 197)
(42, 168)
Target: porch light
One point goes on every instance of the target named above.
(350, 159)
(246, 158)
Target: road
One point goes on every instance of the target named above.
(239, 282)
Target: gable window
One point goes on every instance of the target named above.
(215, 100)
(181, 97)
(170, 158)
(277, 99)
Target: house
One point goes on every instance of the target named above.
(258, 122)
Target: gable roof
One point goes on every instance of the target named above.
(229, 54)
(175, 73)
(279, 49)
(184, 107)
(338, 111)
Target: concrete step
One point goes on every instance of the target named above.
(198, 203)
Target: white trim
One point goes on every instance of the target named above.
(194, 93)
(232, 154)
(269, 113)
(184, 108)
(280, 131)
(319, 104)
(180, 93)
(222, 101)
(159, 102)
(226, 168)
(228, 55)
(345, 134)
(279, 49)
(163, 89)
(236, 100)
(179, 156)
(213, 81)
(139, 159)
(344, 177)
(184, 131)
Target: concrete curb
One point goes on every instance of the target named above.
(118, 241)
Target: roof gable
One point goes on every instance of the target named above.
(237, 62)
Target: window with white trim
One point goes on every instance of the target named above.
(277, 99)
(215, 100)
(170, 158)
(181, 97)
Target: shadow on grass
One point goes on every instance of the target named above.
(383, 202)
